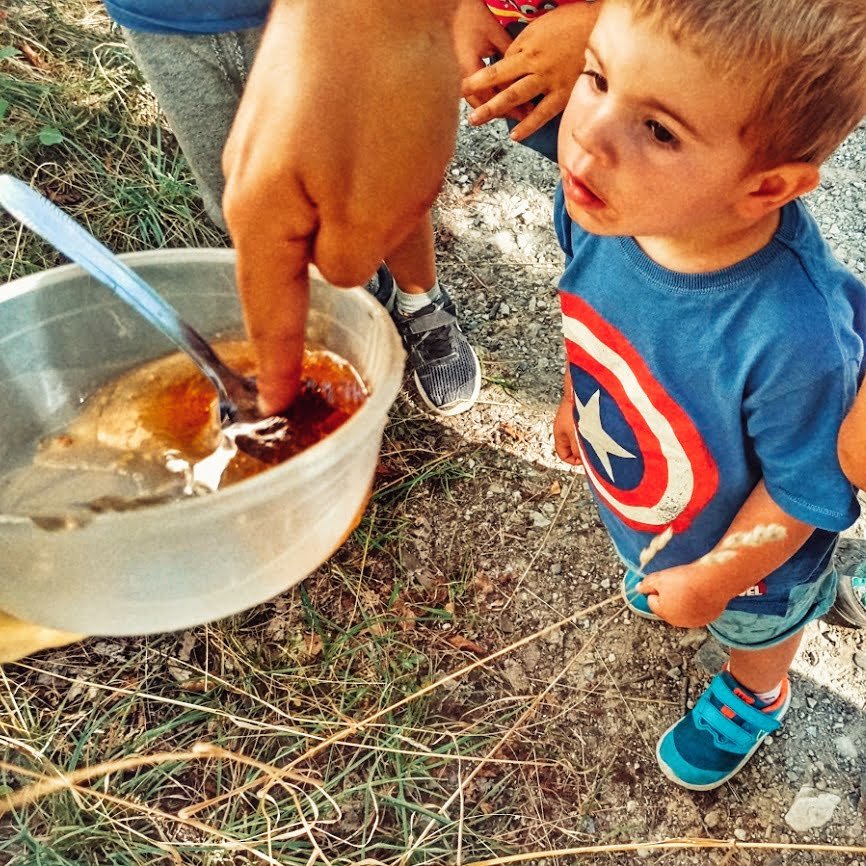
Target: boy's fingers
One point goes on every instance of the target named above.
(654, 604)
(513, 97)
(492, 77)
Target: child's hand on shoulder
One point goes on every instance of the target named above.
(681, 598)
(564, 433)
(544, 60)
(477, 36)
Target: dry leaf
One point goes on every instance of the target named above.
(512, 432)
(313, 645)
(463, 643)
(555, 489)
(31, 55)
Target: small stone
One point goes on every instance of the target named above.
(741, 834)
(811, 809)
(694, 637)
(711, 656)
(516, 677)
(712, 819)
(860, 660)
(845, 747)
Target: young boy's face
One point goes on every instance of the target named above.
(649, 143)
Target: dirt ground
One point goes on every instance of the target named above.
(506, 541)
(527, 527)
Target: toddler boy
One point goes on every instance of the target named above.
(714, 345)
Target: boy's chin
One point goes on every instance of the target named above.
(588, 222)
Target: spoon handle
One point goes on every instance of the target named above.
(44, 218)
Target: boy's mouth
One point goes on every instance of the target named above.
(577, 191)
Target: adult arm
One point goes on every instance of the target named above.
(338, 147)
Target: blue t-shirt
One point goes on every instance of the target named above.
(691, 388)
(188, 16)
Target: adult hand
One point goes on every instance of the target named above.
(544, 60)
(327, 163)
(477, 36)
(682, 596)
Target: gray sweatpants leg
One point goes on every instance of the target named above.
(198, 82)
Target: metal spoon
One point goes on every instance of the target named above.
(237, 394)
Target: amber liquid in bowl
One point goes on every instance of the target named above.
(138, 436)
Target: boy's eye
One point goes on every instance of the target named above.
(599, 82)
(660, 133)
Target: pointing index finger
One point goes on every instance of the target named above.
(274, 286)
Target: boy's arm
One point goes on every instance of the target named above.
(852, 442)
(695, 594)
(544, 60)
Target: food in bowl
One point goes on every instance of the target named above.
(153, 434)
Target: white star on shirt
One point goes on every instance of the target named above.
(589, 421)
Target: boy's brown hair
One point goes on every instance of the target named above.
(810, 54)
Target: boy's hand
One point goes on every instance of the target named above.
(682, 596)
(544, 60)
(565, 435)
(477, 36)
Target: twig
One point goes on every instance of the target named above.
(666, 845)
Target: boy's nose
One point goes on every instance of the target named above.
(594, 134)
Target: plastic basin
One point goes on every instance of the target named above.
(181, 563)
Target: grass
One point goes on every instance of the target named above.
(78, 123)
(264, 690)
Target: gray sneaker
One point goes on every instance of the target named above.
(445, 367)
(382, 288)
(850, 606)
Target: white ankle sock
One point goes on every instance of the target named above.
(770, 696)
(407, 304)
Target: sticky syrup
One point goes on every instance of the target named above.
(165, 413)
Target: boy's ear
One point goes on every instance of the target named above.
(773, 188)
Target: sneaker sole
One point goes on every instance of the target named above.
(454, 408)
(673, 777)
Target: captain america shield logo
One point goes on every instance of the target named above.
(643, 455)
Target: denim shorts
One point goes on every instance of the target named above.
(741, 630)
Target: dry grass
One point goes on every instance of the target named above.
(365, 717)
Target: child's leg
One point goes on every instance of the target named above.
(761, 670)
(743, 703)
(445, 368)
(413, 263)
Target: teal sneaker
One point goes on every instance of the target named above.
(713, 741)
(636, 601)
